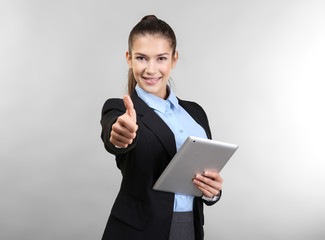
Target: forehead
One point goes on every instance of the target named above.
(151, 44)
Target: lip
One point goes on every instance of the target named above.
(151, 80)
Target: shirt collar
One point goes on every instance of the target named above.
(155, 102)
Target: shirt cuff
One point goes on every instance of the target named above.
(213, 199)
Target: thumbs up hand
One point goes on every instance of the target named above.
(125, 128)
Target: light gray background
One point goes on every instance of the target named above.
(257, 67)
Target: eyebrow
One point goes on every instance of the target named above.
(161, 54)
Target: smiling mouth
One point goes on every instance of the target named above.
(151, 80)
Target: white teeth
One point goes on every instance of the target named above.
(151, 79)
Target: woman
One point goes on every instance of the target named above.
(144, 131)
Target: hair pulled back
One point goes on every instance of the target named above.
(151, 25)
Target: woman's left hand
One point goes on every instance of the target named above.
(209, 183)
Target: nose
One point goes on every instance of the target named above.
(151, 68)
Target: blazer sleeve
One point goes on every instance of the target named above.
(112, 109)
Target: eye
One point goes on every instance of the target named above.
(141, 58)
(162, 58)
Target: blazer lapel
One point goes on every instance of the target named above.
(195, 115)
(155, 124)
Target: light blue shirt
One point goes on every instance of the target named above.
(181, 124)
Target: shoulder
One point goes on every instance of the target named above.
(189, 105)
(113, 104)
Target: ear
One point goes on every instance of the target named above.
(128, 59)
(174, 59)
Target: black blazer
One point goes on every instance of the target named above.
(139, 212)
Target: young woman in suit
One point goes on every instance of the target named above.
(144, 131)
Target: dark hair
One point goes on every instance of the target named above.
(149, 24)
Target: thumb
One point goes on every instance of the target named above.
(129, 107)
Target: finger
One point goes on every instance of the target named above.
(126, 121)
(213, 175)
(206, 192)
(117, 143)
(125, 126)
(130, 107)
(209, 181)
(122, 131)
(205, 181)
(211, 186)
(206, 189)
(120, 138)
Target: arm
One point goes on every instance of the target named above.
(119, 125)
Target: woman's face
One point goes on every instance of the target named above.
(152, 61)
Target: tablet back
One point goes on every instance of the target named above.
(195, 156)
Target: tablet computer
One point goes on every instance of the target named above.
(195, 156)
